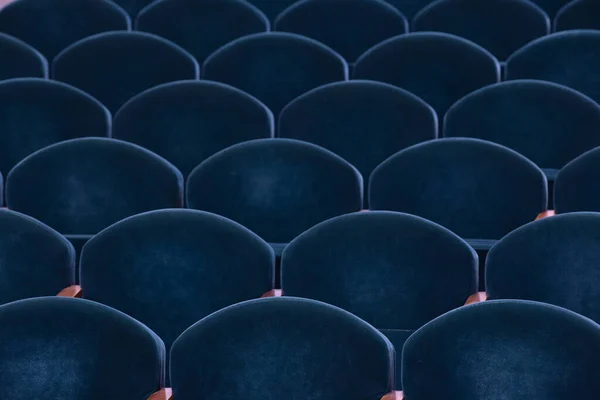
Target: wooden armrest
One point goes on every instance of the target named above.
(71, 291)
(545, 214)
(397, 395)
(162, 394)
(272, 293)
(478, 297)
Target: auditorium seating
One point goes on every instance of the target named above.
(380, 266)
(579, 14)
(282, 348)
(201, 27)
(20, 60)
(115, 66)
(577, 186)
(508, 349)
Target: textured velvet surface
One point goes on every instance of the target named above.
(438, 67)
(555, 260)
(350, 28)
(115, 66)
(551, 6)
(18, 59)
(52, 25)
(81, 186)
(187, 122)
(364, 122)
(35, 260)
(500, 26)
(272, 8)
(275, 67)
(577, 186)
(568, 58)
(201, 27)
(477, 189)
(277, 188)
(499, 350)
(287, 348)
(36, 113)
(62, 348)
(579, 14)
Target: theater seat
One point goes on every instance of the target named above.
(577, 186)
(20, 60)
(282, 348)
(578, 14)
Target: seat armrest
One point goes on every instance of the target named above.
(162, 394)
(478, 297)
(545, 214)
(273, 293)
(71, 291)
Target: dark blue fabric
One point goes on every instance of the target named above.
(504, 349)
(187, 122)
(201, 26)
(81, 186)
(115, 66)
(282, 348)
(278, 188)
(133, 7)
(18, 59)
(1, 189)
(551, 6)
(409, 7)
(35, 260)
(579, 14)
(272, 8)
(569, 58)
(36, 113)
(62, 348)
(438, 67)
(350, 28)
(275, 67)
(500, 26)
(52, 25)
(577, 186)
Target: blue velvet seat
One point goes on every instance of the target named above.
(551, 6)
(272, 8)
(187, 122)
(577, 186)
(569, 58)
(201, 27)
(133, 7)
(59, 348)
(282, 348)
(350, 28)
(379, 266)
(438, 67)
(115, 66)
(503, 349)
(500, 26)
(52, 25)
(36, 113)
(410, 8)
(578, 14)
(275, 67)
(20, 59)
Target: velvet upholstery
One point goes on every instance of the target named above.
(201, 27)
(287, 348)
(500, 26)
(579, 14)
(36, 113)
(63, 348)
(187, 122)
(503, 349)
(350, 29)
(568, 58)
(272, 8)
(409, 7)
(35, 260)
(1, 189)
(379, 266)
(278, 188)
(52, 25)
(335, 116)
(438, 67)
(577, 186)
(80, 186)
(275, 67)
(551, 6)
(115, 66)
(133, 7)
(18, 59)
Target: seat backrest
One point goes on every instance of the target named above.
(20, 59)
(551, 6)
(81, 186)
(578, 14)
(282, 348)
(577, 186)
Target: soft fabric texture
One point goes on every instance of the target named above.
(410, 7)
(500, 26)
(36, 113)
(81, 186)
(1, 189)
(275, 67)
(577, 186)
(438, 67)
(380, 267)
(35, 260)
(554, 260)
(568, 58)
(52, 25)
(63, 348)
(579, 14)
(497, 350)
(187, 122)
(115, 66)
(282, 348)
(350, 28)
(272, 8)
(363, 122)
(278, 188)
(18, 59)
(551, 6)
(201, 26)
(133, 7)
